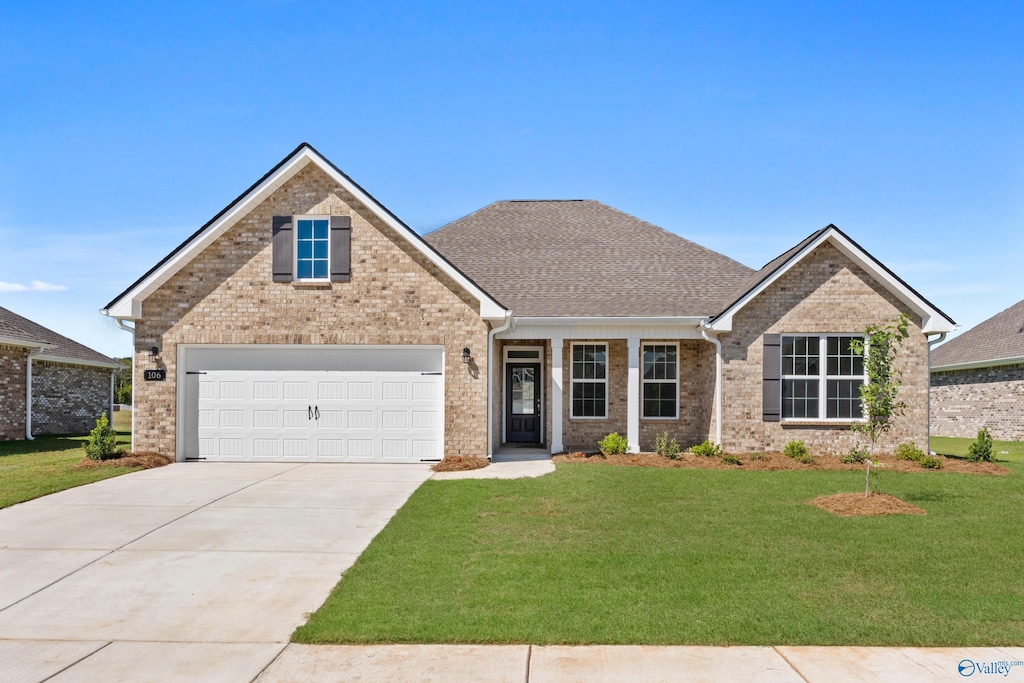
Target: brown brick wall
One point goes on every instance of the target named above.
(964, 401)
(396, 296)
(68, 399)
(13, 362)
(825, 293)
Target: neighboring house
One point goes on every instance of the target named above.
(978, 379)
(307, 322)
(49, 384)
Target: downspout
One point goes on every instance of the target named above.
(931, 343)
(490, 380)
(718, 381)
(113, 373)
(28, 394)
(120, 323)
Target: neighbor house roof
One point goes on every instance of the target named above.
(56, 347)
(997, 341)
(582, 258)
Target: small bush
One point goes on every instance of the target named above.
(731, 460)
(930, 462)
(707, 449)
(796, 450)
(909, 451)
(102, 443)
(760, 456)
(665, 447)
(806, 459)
(981, 448)
(613, 444)
(856, 455)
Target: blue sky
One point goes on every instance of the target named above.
(741, 126)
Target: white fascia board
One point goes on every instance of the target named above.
(996, 362)
(129, 306)
(542, 327)
(11, 341)
(77, 361)
(931, 320)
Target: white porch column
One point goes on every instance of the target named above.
(557, 345)
(633, 396)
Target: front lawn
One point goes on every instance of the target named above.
(1012, 451)
(602, 554)
(29, 469)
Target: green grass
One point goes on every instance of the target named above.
(29, 469)
(602, 554)
(1010, 451)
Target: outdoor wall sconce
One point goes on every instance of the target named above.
(466, 357)
(154, 352)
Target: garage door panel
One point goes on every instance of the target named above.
(320, 416)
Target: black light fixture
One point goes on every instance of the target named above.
(466, 356)
(154, 352)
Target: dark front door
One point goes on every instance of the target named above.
(522, 402)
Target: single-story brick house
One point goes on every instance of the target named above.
(978, 379)
(307, 322)
(49, 384)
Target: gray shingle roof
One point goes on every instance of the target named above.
(14, 326)
(584, 258)
(1001, 336)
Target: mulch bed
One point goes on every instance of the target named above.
(144, 459)
(859, 505)
(460, 464)
(777, 461)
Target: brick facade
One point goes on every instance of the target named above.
(67, 398)
(824, 293)
(964, 401)
(226, 295)
(13, 362)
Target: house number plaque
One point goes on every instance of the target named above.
(154, 375)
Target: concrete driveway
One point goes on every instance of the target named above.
(121, 576)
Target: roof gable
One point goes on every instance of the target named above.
(56, 347)
(996, 341)
(128, 304)
(932, 319)
(582, 258)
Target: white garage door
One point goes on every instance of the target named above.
(322, 416)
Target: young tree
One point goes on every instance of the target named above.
(879, 394)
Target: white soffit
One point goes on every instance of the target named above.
(129, 304)
(932, 321)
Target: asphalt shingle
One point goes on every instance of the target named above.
(14, 326)
(1001, 336)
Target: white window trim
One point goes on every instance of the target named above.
(644, 381)
(573, 381)
(504, 389)
(823, 377)
(295, 247)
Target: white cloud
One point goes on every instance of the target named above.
(35, 286)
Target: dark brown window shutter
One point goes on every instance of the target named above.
(771, 385)
(341, 248)
(284, 245)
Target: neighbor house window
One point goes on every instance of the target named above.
(312, 247)
(661, 380)
(821, 377)
(589, 380)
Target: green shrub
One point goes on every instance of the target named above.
(856, 455)
(930, 462)
(806, 459)
(909, 451)
(665, 447)
(760, 456)
(796, 450)
(613, 444)
(707, 449)
(731, 460)
(102, 443)
(981, 448)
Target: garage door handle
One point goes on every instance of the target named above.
(316, 411)
(430, 373)
(310, 413)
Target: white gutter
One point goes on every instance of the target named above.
(28, 394)
(994, 363)
(605, 320)
(120, 323)
(931, 343)
(490, 380)
(718, 381)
